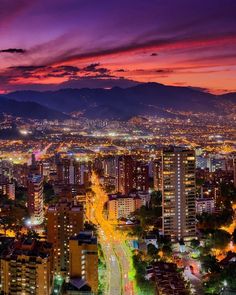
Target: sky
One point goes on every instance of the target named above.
(53, 44)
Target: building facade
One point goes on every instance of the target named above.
(84, 259)
(35, 199)
(26, 268)
(178, 193)
(120, 206)
(131, 175)
(63, 221)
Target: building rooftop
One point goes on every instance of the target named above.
(85, 237)
(168, 280)
(26, 246)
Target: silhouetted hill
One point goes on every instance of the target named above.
(229, 96)
(28, 109)
(120, 103)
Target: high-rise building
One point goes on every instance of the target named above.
(35, 199)
(7, 188)
(6, 169)
(72, 172)
(157, 175)
(21, 174)
(84, 259)
(109, 166)
(125, 167)
(26, 267)
(178, 193)
(131, 175)
(141, 177)
(64, 220)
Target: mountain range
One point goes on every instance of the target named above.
(115, 103)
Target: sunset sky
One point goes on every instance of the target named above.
(52, 44)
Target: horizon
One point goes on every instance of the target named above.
(120, 87)
(78, 44)
(118, 147)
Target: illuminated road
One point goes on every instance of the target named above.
(113, 269)
(113, 245)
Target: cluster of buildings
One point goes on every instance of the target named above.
(7, 185)
(167, 279)
(174, 176)
(64, 249)
(29, 265)
(174, 171)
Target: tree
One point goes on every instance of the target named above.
(195, 244)
(219, 239)
(234, 236)
(167, 250)
(152, 250)
(228, 191)
(33, 234)
(216, 281)
(210, 263)
(214, 221)
(156, 199)
(229, 275)
(21, 196)
(137, 231)
(49, 193)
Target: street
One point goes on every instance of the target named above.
(113, 245)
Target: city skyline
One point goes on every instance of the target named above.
(46, 45)
(117, 147)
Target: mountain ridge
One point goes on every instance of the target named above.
(123, 103)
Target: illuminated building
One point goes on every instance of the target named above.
(140, 177)
(8, 189)
(109, 166)
(35, 199)
(212, 162)
(84, 259)
(157, 175)
(6, 169)
(125, 167)
(168, 280)
(130, 175)
(7, 185)
(120, 206)
(45, 168)
(21, 173)
(205, 205)
(70, 171)
(26, 267)
(63, 221)
(178, 193)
